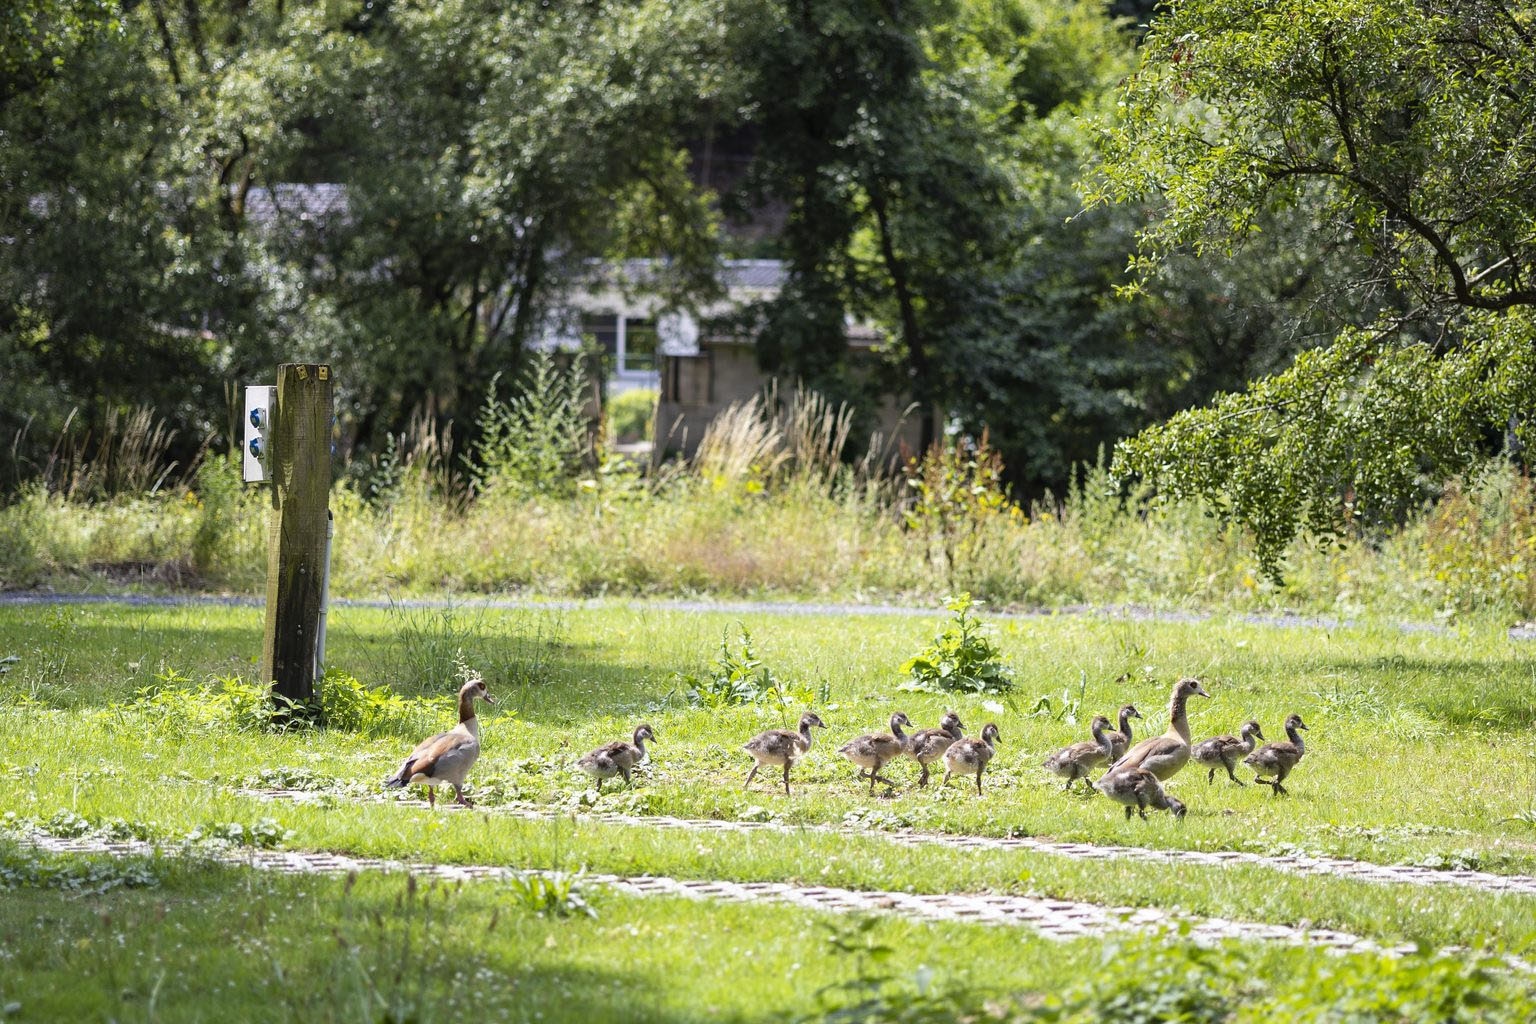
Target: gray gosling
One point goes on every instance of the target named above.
(1164, 755)
(1138, 789)
(1078, 760)
(875, 750)
(445, 759)
(1120, 740)
(970, 756)
(1224, 751)
(928, 745)
(617, 758)
(1278, 759)
(781, 747)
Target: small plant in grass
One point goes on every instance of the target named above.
(742, 678)
(28, 869)
(223, 702)
(351, 706)
(551, 893)
(265, 834)
(872, 996)
(962, 658)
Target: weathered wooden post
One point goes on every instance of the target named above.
(300, 471)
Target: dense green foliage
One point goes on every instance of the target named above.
(1400, 129)
(195, 191)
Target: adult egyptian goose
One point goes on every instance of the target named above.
(875, 750)
(928, 745)
(1138, 789)
(1119, 741)
(616, 758)
(1278, 759)
(970, 756)
(1224, 751)
(446, 758)
(1164, 755)
(780, 746)
(1075, 762)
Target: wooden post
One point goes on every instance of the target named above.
(301, 482)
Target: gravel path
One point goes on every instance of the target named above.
(1051, 918)
(1338, 867)
(1132, 613)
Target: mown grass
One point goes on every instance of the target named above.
(1417, 751)
(166, 940)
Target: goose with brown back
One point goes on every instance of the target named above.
(1164, 755)
(445, 759)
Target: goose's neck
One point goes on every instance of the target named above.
(805, 735)
(1125, 726)
(467, 710)
(640, 742)
(1295, 735)
(954, 730)
(1104, 741)
(896, 730)
(1178, 721)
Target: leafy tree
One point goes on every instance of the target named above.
(1405, 125)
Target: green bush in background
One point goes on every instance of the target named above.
(632, 415)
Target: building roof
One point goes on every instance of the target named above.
(308, 203)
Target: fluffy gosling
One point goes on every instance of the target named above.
(1225, 751)
(970, 756)
(1078, 760)
(617, 758)
(781, 747)
(1120, 740)
(875, 750)
(1278, 759)
(1137, 789)
(928, 745)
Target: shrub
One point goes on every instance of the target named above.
(537, 442)
(350, 706)
(632, 414)
(743, 679)
(962, 658)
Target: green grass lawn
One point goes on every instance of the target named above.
(160, 940)
(1416, 754)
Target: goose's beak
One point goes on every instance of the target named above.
(488, 698)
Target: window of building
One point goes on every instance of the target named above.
(629, 341)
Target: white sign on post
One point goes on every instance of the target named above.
(259, 401)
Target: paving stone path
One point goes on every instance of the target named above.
(1051, 918)
(1340, 867)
